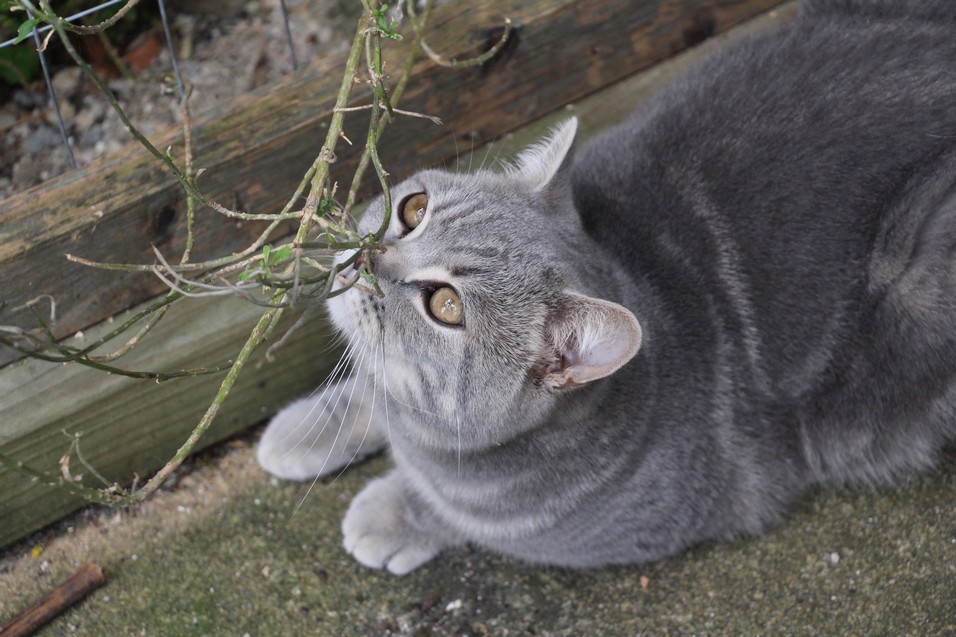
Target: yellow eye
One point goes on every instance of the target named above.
(413, 210)
(445, 306)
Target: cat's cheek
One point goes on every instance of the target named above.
(345, 313)
(339, 314)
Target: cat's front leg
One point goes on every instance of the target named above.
(385, 528)
(318, 435)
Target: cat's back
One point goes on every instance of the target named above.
(844, 102)
(788, 211)
(757, 183)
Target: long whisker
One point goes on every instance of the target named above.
(488, 149)
(337, 433)
(385, 394)
(368, 425)
(403, 403)
(348, 404)
(337, 372)
(454, 138)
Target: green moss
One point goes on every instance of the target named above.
(846, 562)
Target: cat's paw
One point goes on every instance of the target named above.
(378, 534)
(319, 435)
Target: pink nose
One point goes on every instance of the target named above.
(363, 259)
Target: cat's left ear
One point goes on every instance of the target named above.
(592, 339)
(539, 163)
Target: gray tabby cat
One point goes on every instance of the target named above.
(746, 290)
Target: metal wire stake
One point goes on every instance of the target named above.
(172, 51)
(75, 16)
(288, 35)
(56, 102)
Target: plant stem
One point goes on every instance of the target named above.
(255, 337)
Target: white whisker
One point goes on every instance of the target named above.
(385, 393)
(337, 433)
(334, 376)
(368, 425)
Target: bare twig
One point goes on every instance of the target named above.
(65, 595)
(287, 273)
(365, 107)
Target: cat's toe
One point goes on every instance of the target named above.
(282, 462)
(309, 438)
(394, 550)
(409, 558)
(377, 534)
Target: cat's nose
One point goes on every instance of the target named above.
(364, 259)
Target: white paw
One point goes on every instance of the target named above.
(378, 535)
(319, 435)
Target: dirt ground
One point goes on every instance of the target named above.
(226, 550)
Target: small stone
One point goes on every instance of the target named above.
(7, 119)
(66, 81)
(29, 100)
(41, 140)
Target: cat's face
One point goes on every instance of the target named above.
(482, 321)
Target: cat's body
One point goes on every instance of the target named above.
(782, 225)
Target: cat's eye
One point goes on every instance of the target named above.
(413, 210)
(445, 306)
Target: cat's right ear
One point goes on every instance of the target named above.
(537, 164)
(591, 339)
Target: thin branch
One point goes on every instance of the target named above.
(365, 107)
(302, 278)
(478, 60)
(84, 30)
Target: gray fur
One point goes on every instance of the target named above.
(746, 290)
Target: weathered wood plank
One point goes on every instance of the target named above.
(130, 426)
(256, 150)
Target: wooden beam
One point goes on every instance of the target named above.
(256, 149)
(131, 427)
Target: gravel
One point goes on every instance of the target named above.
(239, 48)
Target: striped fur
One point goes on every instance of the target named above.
(746, 290)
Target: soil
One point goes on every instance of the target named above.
(238, 48)
(224, 549)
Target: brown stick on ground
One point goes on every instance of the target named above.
(78, 586)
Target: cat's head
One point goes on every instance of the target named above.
(495, 301)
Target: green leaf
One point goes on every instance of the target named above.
(18, 64)
(325, 206)
(282, 254)
(245, 275)
(25, 29)
(368, 277)
(386, 27)
(266, 251)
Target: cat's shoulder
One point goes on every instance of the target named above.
(932, 10)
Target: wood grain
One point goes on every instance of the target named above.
(256, 149)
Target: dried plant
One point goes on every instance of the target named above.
(273, 275)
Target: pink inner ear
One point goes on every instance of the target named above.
(580, 368)
(601, 337)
